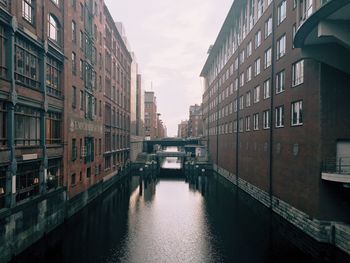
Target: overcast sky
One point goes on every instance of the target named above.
(171, 39)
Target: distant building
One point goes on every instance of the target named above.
(151, 116)
(161, 128)
(136, 110)
(195, 122)
(182, 131)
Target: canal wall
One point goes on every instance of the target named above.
(335, 233)
(25, 224)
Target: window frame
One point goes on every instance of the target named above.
(299, 113)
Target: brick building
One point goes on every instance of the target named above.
(161, 128)
(273, 114)
(195, 121)
(151, 116)
(64, 97)
(182, 130)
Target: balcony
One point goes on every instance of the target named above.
(337, 170)
(323, 32)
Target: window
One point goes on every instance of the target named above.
(53, 77)
(74, 32)
(27, 126)
(280, 81)
(240, 125)
(73, 179)
(81, 100)
(28, 12)
(268, 27)
(281, 12)
(107, 162)
(267, 89)
(297, 113)
(308, 9)
(266, 119)
(256, 121)
(236, 63)
(236, 84)
(241, 102)
(260, 8)
(294, 31)
(54, 174)
(89, 149)
(2, 186)
(242, 57)
(249, 73)
(257, 39)
(279, 116)
(74, 149)
(235, 125)
(74, 63)
(235, 105)
(281, 46)
(81, 40)
(53, 29)
(3, 53)
(74, 97)
(81, 12)
(242, 79)
(27, 180)
(257, 94)
(247, 99)
(257, 65)
(247, 123)
(81, 69)
(268, 58)
(53, 128)
(249, 49)
(298, 73)
(27, 64)
(3, 124)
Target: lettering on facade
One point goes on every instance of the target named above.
(76, 125)
(27, 157)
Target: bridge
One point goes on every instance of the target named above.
(165, 154)
(148, 146)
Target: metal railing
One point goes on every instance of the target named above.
(337, 165)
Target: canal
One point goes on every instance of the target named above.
(171, 220)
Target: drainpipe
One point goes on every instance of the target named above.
(272, 91)
(237, 116)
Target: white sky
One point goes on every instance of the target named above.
(171, 39)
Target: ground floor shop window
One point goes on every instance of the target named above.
(54, 174)
(27, 180)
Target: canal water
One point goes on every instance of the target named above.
(204, 219)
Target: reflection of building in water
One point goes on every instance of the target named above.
(149, 190)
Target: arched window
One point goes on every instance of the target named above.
(53, 29)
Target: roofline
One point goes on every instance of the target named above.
(226, 26)
(117, 31)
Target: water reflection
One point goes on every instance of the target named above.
(170, 220)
